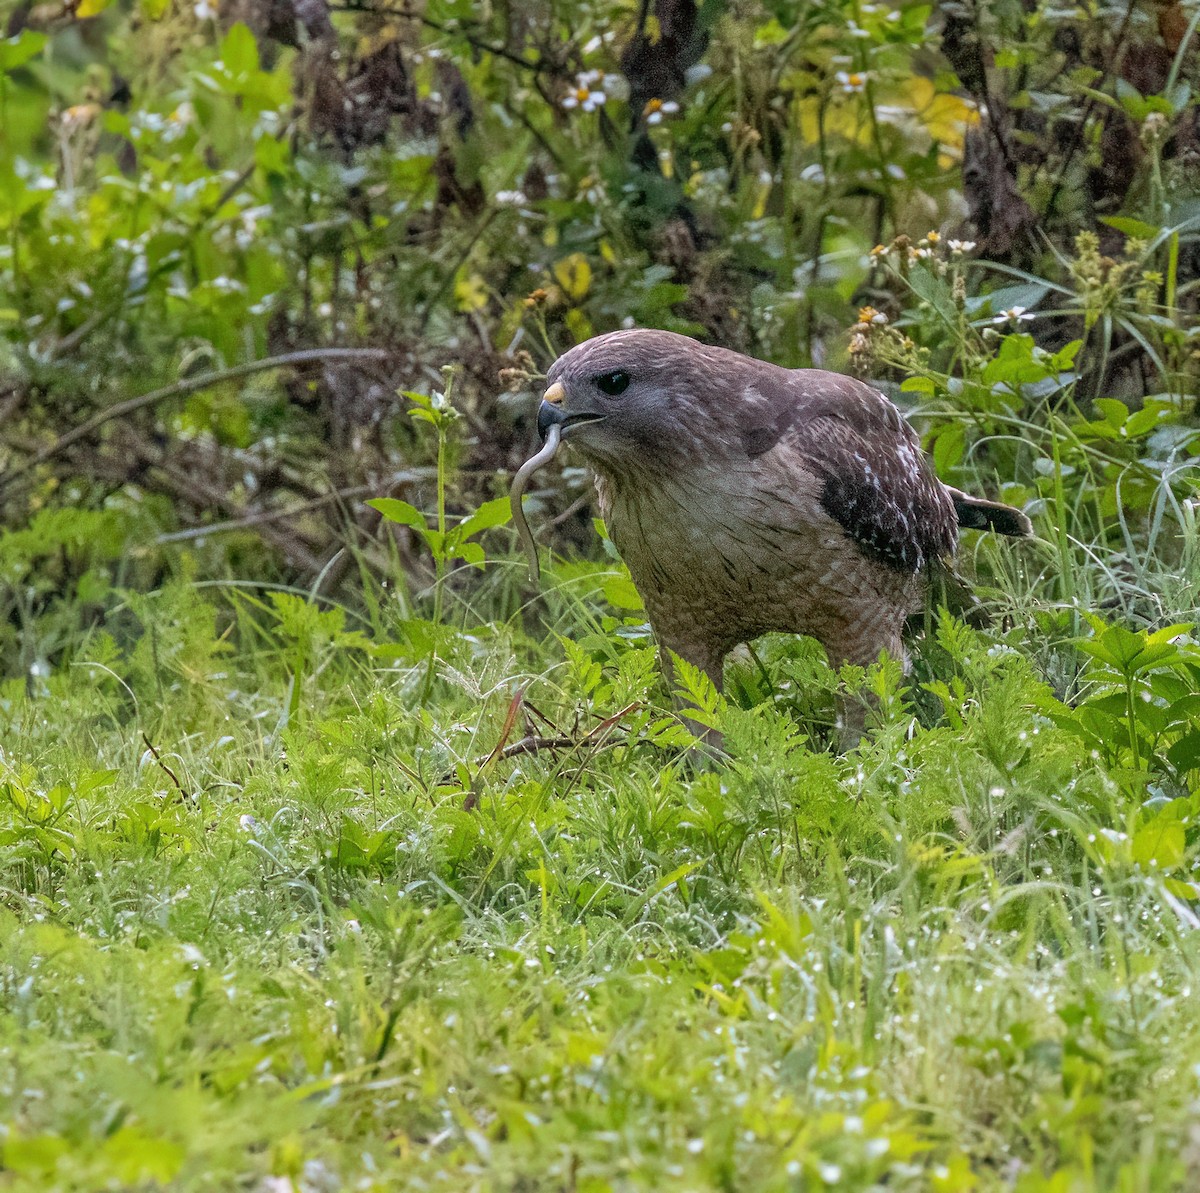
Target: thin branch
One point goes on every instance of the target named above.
(170, 773)
(182, 388)
(262, 516)
(406, 15)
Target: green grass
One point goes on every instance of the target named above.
(282, 955)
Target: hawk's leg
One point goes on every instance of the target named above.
(853, 709)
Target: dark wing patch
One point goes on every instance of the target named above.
(875, 481)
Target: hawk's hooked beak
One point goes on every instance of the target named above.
(551, 412)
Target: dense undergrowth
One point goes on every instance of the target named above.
(350, 946)
(332, 856)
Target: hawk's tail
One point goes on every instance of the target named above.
(976, 514)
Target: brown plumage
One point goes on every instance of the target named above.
(747, 498)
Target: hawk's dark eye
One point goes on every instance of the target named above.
(612, 383)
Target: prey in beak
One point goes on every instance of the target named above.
(553, 424)
(552, 414)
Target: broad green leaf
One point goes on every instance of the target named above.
(1027, 295)
(33, 1153)
(491, 513)
(1138, 229)
(402, 512)
(471, 552)
(1160, 843)
(620, 592)
(1184, 755)
(1169, 633)
(16, 51)
(239, 51)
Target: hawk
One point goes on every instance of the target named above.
(747, 498)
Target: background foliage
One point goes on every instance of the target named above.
(330, 857)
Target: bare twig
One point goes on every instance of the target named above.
(181, 389)
(476, 43)
(260, 517)
(510, 719)
(594, 738)
(169, 772)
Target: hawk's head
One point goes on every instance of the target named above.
(639, 394)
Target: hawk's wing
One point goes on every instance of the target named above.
(875, 481)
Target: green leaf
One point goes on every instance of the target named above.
(33, 1153)
(1160, 843)
(16, 51)
(1115, 645)
(471, 552)
(675, 877)
(1169, 633)
(491, 513)
(1184, 755)
(698, 691)
(400, 512)
(621, 593)
(239, 51)
(949, 447)
(1138, 229)
(1027, 295)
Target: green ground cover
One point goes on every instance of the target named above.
(335, 856)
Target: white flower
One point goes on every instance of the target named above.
(851, 81)
(657, 110)
(1013, 315)
(205, 11)
(958, 247)
(587, 94)
(511, 198)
